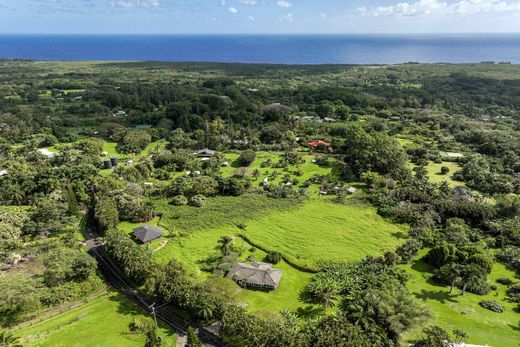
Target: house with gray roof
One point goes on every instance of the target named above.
(256, 275)
(205, 153)
(146, 233)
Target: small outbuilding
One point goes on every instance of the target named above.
(451, 155)
(146, 233)
(4, 173)
(318, 143)
(205, 153)
(255, 275)
(351, 190)
(46, 152)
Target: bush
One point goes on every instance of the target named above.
(505, 281)
(198, 200)
(492, 305)
(179, 200)
(247, 157)
(273, 257)
(445, 170)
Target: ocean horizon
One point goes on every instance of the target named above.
(266, 48)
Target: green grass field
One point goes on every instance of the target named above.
(452, 311)
(192, 250)
(434, 173)
(99, 323)
(320, 230)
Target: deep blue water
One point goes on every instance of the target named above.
(285, 49)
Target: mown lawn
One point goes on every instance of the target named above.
(434, 173)
(192, 250)
(101, 322)
(452, 311)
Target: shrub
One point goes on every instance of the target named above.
(247, 157)
(273, 257)
(445, 170)
(493, 287)
(492, 305)
(505, 281)
(179, 200)
(198, 200)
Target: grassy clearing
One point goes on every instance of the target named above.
(452, 311)
(102, 322)
(308, 167)
(434, 173)
(313, 231)
(219, 211)
(320, 230)
(192, 250)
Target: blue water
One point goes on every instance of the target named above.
(284, 49)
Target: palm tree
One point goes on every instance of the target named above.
(226, 243)
(8, 339)
(460, 335)
(327, 297)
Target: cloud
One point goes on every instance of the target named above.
(251, 18)
(137, 3)
(232, 9)
(287, 18)
(247, 2)
(283, 3)
(436, 7)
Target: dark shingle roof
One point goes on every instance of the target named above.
(257, 273)
(147, 233)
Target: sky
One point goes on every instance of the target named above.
(258, 16)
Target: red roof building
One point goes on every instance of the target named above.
(318, 143)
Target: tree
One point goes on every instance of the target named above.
(470, 275)
(451, 273)
(192, 339)
(247, 157)
(226, 244)
(460, 335)
(435, 337)
(8, 339)
(274, 257)
(445, 170)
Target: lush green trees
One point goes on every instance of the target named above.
(134, 141)
(192, 339)
(246, 158)
(373, 152)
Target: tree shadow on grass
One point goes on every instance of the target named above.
(310, 311)
(400, 235)
(441, 296)
(125, 306)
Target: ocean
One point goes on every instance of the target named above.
(275, 49)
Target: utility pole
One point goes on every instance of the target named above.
(152, 307)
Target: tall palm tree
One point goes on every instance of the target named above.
(226, 243)
(8, 339)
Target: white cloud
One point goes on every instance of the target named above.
(251, 18)
(436, 7)
(247, 2)
(232, 9)
(137, 3)
(283, 3)
(287, 18)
